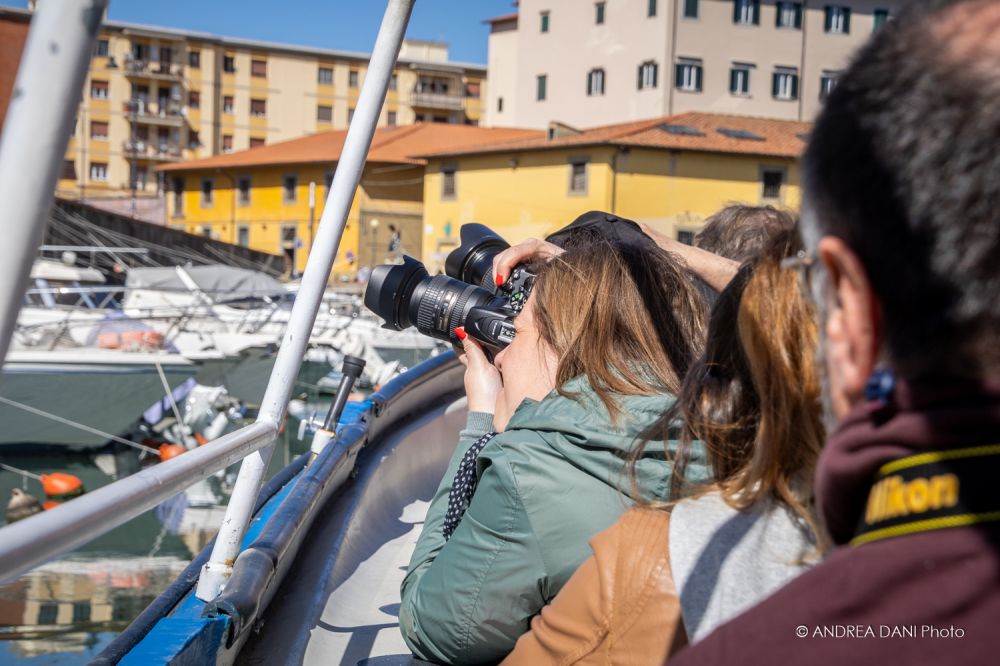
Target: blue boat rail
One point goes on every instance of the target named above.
(39, 118)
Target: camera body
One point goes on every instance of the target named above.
(405, 295)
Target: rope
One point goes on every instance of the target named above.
(79, 426)
(21, 472)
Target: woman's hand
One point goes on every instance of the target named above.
(532, 248)
(482, 379)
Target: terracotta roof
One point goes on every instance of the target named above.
(394, 145)
(13, 34)
(686, 131)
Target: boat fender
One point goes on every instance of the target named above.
(241, 599)
(21, 505)
(60, 486)
(168, 451)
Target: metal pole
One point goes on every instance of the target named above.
(216, 572)
(42, 106)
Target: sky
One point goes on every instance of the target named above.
(335, 24)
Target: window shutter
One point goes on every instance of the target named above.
(697, 83)
(798, 15)
(756, 12)
(847, 20)
(736, 11)
(795, 86)
(778, 7)
(774, 84)
(656, 74)
(828, 18)
(732, 80)
(678, 75)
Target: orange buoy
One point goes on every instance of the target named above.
(61, 487)
(200, 438)
(168, 451)
(48, 505)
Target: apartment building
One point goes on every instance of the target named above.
(156, 95)
(587, 63)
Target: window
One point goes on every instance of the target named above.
(651, 8)
(746, 12)
(785, 84)
(352, 78)
(257, 141)
(205, 230)
(648, 73)
(328, 180)
(540, 82)
(685, 236)
(194, 59)
(228, 64)
(788, 15)
(691, 9)
(193, 139)
(880, 16)
(194, 100)
(544, 22)
(243, 191)
(827, 81)
(48, 612)
(599, 13)
(350, 115)
(448, 182)
(101, 48)
(99, 89)
(771, 181)
(258, 108)
(837, 20)
(178, 189)
(739, 80)
(243, 236)
(499, 104)
(290, 188)
(324, 114)
(578, 176)
(472, 90)
(227, 143)
(688, 75)
(99, 172)
(595, 82)
(81, 611)
(227, 104)
(390, 118)
(140, 51)
(206, 192)
(258, 68)
(99, 130)
(325, 76)
(394, 82)
(68, 171)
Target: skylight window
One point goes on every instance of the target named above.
(681, 130)
(739, 134)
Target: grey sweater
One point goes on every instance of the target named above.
(724, 561)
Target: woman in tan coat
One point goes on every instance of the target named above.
(664, 575)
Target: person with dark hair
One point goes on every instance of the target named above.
(602, 344)
(900, 224)
(741, 232)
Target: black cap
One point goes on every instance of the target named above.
(596, 225)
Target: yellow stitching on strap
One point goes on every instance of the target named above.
(937, 456)
(961, 520)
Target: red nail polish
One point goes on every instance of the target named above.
(499, 280)
(460, 332)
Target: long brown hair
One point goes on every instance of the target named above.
(626, 316)
(753, 398)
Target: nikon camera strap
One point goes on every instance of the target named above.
(932, 491)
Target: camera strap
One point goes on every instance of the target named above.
(463, 486)
(932, 491)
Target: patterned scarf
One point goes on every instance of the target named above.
(463, 486)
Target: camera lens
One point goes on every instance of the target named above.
(405, 295)
(472, 261)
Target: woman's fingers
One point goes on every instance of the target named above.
(482, 379)
(532, 248)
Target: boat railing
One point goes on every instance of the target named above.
(39, 118)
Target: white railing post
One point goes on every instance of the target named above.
(36, 132)
(321, 257)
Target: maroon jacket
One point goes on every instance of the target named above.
(926, 598)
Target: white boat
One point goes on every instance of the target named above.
(103, 390)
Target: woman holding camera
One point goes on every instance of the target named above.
(601, 347)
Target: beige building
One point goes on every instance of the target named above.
(157, 95)
(586, 63)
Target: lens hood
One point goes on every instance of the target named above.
(472, 261)
(389, 289)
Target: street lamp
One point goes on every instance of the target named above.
(373, 223)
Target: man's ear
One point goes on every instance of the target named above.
(853, 325)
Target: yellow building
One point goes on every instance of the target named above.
(157, 95)
(669, 172)
(260, 198)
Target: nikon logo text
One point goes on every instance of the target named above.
(893, 497)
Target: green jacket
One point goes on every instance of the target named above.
(554, 478)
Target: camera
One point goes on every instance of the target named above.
(406, 295)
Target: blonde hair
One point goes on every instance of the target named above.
(627, 317)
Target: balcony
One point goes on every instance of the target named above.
(437, 100)
(161, 151)
(164, 114)
(155, 71)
